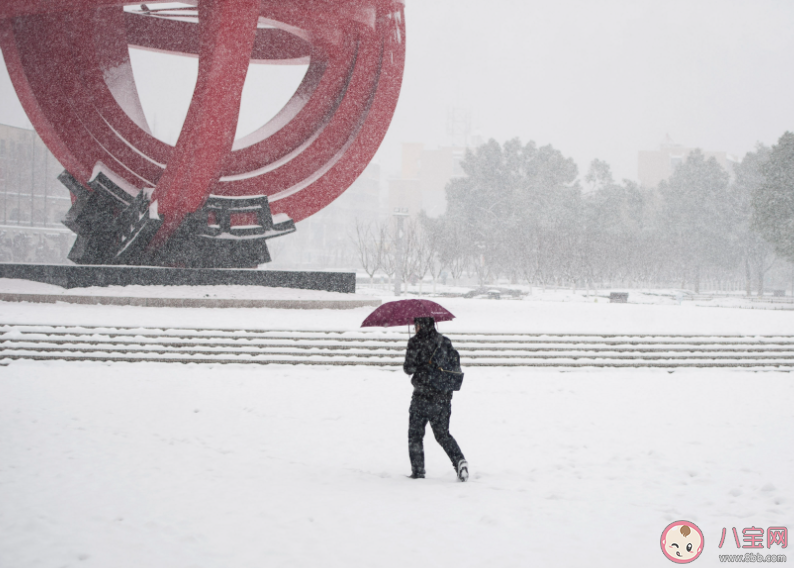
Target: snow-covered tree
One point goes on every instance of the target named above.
(696, 215)
(773, 200)
(757, 254)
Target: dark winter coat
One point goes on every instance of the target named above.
(420, 348)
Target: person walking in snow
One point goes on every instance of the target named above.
(429, 403)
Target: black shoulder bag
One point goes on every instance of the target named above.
(445, 373)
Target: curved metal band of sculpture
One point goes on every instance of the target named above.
(209, 200)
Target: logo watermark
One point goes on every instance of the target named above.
(682, 542)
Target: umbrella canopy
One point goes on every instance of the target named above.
(403, 312)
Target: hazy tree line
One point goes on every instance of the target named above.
(522, 214)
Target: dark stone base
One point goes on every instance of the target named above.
(84, 276)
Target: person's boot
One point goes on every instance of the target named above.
(417, 475)
(463, 470)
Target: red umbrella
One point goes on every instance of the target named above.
(403, 312)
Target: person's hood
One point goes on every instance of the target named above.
(427, 327)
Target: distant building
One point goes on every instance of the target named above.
(424, 177)
(32, 200)
(657, 165)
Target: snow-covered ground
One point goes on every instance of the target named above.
(528, 315)
(664, 296)
(168, 465)
(535, 295)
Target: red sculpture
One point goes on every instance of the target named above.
(69, 63)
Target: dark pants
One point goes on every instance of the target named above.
(437, 411)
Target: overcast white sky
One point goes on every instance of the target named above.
(597, 79)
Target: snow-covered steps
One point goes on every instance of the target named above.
(387, 348)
